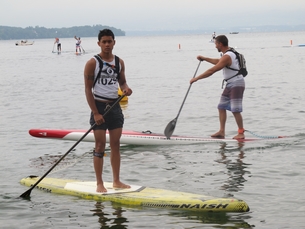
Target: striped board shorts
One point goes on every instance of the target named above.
(232, 96)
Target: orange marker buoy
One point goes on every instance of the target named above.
(290, 42)
(179, 46)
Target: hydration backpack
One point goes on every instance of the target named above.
(241, 61)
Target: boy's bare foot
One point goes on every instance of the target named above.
(218, 135)
(101, 188)
(120, 185)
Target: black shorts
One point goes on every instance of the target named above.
(113, 120)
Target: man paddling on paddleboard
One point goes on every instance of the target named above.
(232, 96)
(103, 74)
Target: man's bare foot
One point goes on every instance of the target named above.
(101, 188)
(239, 136)
(120, 185)
(218, 135)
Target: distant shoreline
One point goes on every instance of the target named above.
(30, 33)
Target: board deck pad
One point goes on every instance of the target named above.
(90, 187)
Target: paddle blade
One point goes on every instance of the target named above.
(26, 195)
(169, 129)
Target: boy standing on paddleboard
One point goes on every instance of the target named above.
(232, 96)
(103, 74)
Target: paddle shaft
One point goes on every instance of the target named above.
(172, 124)
(187, 91)
(28, 192)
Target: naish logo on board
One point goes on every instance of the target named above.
(207, 206)
(43, 189)
(188, 206)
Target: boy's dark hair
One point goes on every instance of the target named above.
(105, 32)
(222, 39)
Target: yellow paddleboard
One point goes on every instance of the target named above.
(139, 196)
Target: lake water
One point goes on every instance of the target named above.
(40, 89)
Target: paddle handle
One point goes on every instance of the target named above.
(187, 91)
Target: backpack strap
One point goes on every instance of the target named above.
(100, 61)
(117, 67)
(237, 57)
(238, 70)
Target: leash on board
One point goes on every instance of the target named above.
(265, 137)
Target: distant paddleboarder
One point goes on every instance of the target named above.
(77, 44)
(58, 44)
(213, 36)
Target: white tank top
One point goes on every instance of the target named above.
(228, 73)
(106, 86)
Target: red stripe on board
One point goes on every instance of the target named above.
(46, 133)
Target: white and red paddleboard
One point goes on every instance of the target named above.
(132, 137)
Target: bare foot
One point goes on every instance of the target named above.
(120, 185)
(239, 136)
(101, 188)
(218, 134)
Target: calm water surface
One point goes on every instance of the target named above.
(44, 90)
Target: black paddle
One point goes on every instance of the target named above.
(172, 124)
(28, 192)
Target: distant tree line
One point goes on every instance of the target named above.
(9, 33)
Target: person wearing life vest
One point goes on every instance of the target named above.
(103, 74)
(232, 96)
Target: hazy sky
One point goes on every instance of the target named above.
(151, 14)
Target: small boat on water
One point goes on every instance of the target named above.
(24, 43)
(234, 32)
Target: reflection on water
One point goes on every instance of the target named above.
(215, 219)
(236, 168)
(116, 220)
(116, 217)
